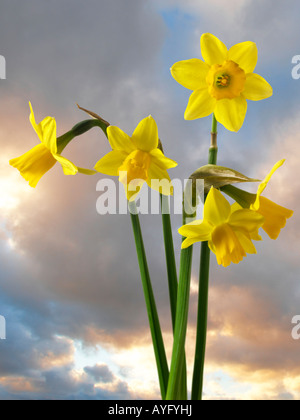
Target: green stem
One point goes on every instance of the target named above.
(170, 255)
(197, 386)
(172, 280)
(78, 130)
(178, 362)
(157, 339)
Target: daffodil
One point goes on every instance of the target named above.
(223, 82)
(137, 159)
(275, 215)
(39, 160)
(228, 232)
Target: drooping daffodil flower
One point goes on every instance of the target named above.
(229, 233)
(137, 159)
(39, 160)
(223, 82)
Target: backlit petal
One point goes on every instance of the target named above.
(85, 171)
(68, 167)
(216, 208)
(201, 104)
(245, 55)
(119, 140)
(213, 50)
(34, 164)
(110, 163)
(257, 88)
(46, 131)
(231, 112)
(190, 73)
(145, 136)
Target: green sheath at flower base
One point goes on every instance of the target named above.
(39, 160)
(223, 82)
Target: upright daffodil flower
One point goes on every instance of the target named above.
(137, 159)
(223, 82)
(228, 232)
(39, 160)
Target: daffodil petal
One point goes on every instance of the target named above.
(245, 55)
(68, 167)
(216, 208)
(231, 112)
(246, 243)
(34, 164)
(257, 88)
(200, 229)
(246, 220)
(46, 131)
(188, 242)
(213, 50)
(275, 217)
(159, 180)
(133, 188)
(120, 140)
(85, 171)
(264, 184)
(161, 160)
(190, 73)
(145, 136)
(201, 104)
(110, 163)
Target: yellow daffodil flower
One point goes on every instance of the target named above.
(228, 232)
(39, 160)
(137, 159)
(223, 82)
(275, 215)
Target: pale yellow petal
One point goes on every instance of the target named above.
(231, 112)
(190, 73)
(201, 104)
(245, 55)
(257, 88)
(213, 50)
(145, 136)
(85, 171)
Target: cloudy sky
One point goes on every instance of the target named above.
(76, 324)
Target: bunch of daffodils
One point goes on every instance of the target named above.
(222, 83)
